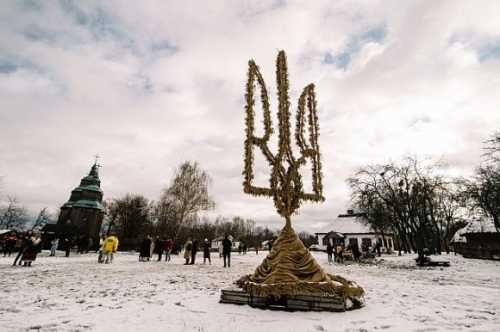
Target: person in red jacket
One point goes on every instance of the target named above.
(9, 245)
(168, 249)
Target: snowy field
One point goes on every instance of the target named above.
(77, 294)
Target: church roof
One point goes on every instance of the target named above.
(88, 194)
(84, 203)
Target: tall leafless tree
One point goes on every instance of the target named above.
(184, 198)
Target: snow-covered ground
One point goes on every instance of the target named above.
(77, 294)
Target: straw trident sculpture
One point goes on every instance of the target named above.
(286, 186)
(289, 269)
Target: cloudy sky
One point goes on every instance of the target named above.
(149, 84)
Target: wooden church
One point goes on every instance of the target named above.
(81, 216)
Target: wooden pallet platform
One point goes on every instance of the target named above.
(292, 303)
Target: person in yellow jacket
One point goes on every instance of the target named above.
(109, 247)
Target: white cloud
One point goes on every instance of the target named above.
(147, 85)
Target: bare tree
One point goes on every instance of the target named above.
(186, 196)
(13, 216)
(492, 148)
(483, 192)
(42, 219)
(410, 199)
(307, 238)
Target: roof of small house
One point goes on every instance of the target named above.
(334, 235)
(476, 224)
(350, 225)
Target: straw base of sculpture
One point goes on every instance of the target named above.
(290, 270)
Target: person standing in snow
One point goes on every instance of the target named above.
(220, 249)
(110, 247)
(226, 251)
(378, 248)
(168, 249)
(100, 257)
(21, 244)
(206, 252)
(187, 250)
(9, 244)
(159, 247)
(329, 252)
(33, 247)
(194, 251)
(152, 249)
(145, 252)
(340, 253)
(355, 252)
(53, 246)
(67, 246)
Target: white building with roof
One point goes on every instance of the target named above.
(352, 229)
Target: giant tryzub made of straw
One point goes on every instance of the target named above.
(289, 270)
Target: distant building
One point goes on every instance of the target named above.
(352, 229)
(479, 239)
(81, 216)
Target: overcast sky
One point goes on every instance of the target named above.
(149, 84)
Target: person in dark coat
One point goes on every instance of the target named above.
(355, 252)
(194, 250)
(67, 246)
(21, 245)
(145, 252)
(226, 251)
(377, 248)
(33, 247)
(9, 245)
(206, 252)
(168, 249)
(159, 247)
(329, 252)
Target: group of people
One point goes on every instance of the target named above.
(27, 245)
(191, 249)
(83, 244)
(242, 248)
(159, 246)
(336, 253)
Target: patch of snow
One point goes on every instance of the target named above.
(77, 293)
